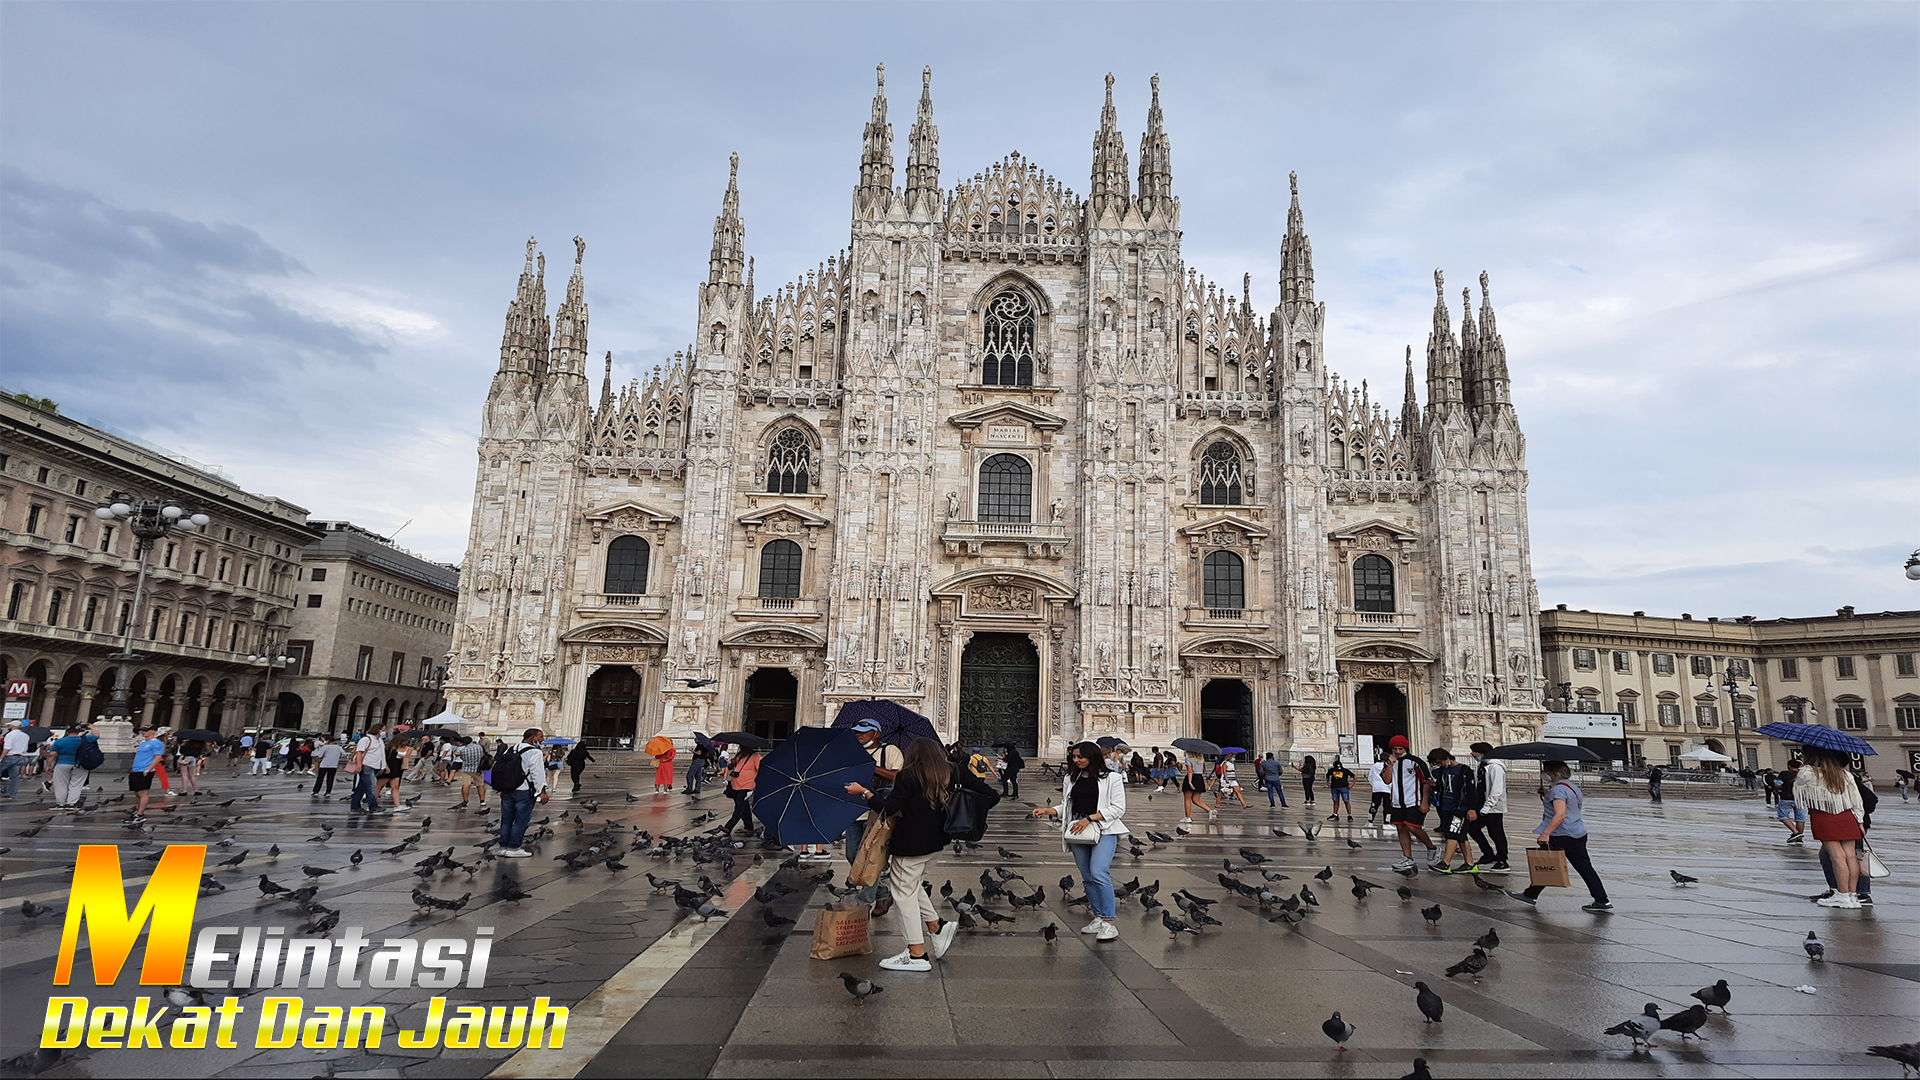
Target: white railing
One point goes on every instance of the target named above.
(1375, 618)
(1036, 530)
(1233, 613)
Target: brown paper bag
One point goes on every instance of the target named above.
(1547, 867)
(871, 860)
(842, 932)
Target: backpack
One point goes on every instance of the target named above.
(509, 772)
(89, 756)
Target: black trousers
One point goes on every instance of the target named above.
(577, 770)
(742, 809)
(323, 776)
(1494, 826)
(1010, 784)
(1576, 849)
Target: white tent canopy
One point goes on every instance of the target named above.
(1703, 754)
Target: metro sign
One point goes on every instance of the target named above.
(19, 688)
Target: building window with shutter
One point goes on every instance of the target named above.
(1662, 663)
(1583, 659)
(1850, 718)
(1843, 667)
(1789, 668)
(1622, 661)
(1903, 664)
(1669, 714)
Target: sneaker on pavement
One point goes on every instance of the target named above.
(1186, 821)
(1403, 864)
(1439, 867)
(460, 805)
(1819, 896)
(943, 940)
(1470, 868)
(1108, 932)
(1604, 905)
(1497, 868)
(1837, 900)
(1334, 817)
(515, 853)
(1094, 926)
(1523, 898)
(906, 961)
(1864, 899)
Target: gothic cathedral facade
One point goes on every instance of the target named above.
(1009, 461)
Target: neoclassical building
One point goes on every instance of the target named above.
(1009, 460)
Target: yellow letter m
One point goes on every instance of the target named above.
(99, 898)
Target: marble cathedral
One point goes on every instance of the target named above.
(1009, 460)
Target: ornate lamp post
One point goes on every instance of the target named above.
(273, 661)
(149, 520)
(1562, 696)
(1730, 682)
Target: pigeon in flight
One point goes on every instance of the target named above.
(1680, 879)
(1687, 1022)
(861, 989)
(1474, 964)
(1815, 950)
(1716, 995)
(1640, 1029)
(1338, 1030)
(1430, 1004)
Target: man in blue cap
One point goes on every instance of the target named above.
(887, 761)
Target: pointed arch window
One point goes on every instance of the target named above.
(780, 569)
(1372, 584)
(627, 559)
(1224, 581)
(1006, 489)
(789, 463)
(1007, 351)
(1221, 478)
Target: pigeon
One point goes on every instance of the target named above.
(1311, 832)
(1419, 1071)
(1687, 1022)
(1183, 830)
(510, 891)
(33, 911)
(356, 858)
(993, 918)
(30, 833)
(1005, 854)
(235, 861)
(1175, 926)
(1487, 886)
(1159, 837)
(209, 885)
(1338, 1030)
(1324, 875)
(1907, 1054)
(1716, 995)
(1051, 932)
(1356, 847)
(1430, 1004)
(1491, 941)
(1252, 857)
(1279, 831)
(1474, 964)
(861, 989)
(662, 886)
(1406, 895)
(1307, 897)
(1227, 864)
(323, 923)
(631, 797)
(269, 887)
(1641, 1028)
(1815, 950)
(316, 871)
(273, 852)
(1431, 914)
(321, 839)
(1066, 884)
(1272, 876)
(1682, 879)
(773, 919)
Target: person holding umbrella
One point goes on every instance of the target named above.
(887, 763)
(919, 797)
(740, 780)
(1562, 829)
(191, 751)
(662, 750)
(1826, 790)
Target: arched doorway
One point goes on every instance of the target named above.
(288, 713)
(772, 696)
(1380, 711)
(66, 703)
(1000, 692)
(613, 708)
(1226, 713)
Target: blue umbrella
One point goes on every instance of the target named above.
(899, 725)
(1814, 735)
(801, 792)
(558, 740)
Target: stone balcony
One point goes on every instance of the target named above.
(1220, 618)
(790, 392)
(778, 608)
(1225, 404)
(1376, 623)
(627, 605)
(1041, 539)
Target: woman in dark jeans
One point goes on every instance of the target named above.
(740, 780)
(1307, 768)
(1010, 774)
(577, 759)
(1562, 829)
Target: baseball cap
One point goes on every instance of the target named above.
(1397, 740)
(866, 725)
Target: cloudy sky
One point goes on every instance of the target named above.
(280, 238)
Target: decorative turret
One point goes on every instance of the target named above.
(606, 384)
(1410, 404)
(1470, 375)
(1497, 388)
(1156, 167)
(875, 193)
(923, 153)
(1296, 255)
(1443, 357)
(569, 353)
(523, 345)
(1110, 187)
(729, 233)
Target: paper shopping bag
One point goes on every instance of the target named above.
(871, 860)
(842, 932)
(1547, 867)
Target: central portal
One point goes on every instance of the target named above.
(1226, 713)
(1000, 692)
(773, 695)
(1380, 710)
(613, 708)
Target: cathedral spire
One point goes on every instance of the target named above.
(1493, 352)
(876, 153)
(606, 384)
(1410, 403)
(729, 233)
(523, 342)
(923, 151)
(1110, 186)
(1443, 358)
(568, 355)
(1471, 374)
(1296, 253)
(1156, 163)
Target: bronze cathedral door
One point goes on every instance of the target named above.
(1000, 692)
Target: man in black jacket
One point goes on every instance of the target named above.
(1454, 793)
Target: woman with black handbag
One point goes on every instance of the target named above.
(1193, 784)
(1093, 798)
(921, 791)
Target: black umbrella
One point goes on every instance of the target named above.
(1543, 751)
(744, 738)
(37, 735)
(1108, 742)
(197, 735)
(1196, 746)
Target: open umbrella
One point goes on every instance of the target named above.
(197, 735)
(702, 741)
(899, 725)
(1108, 742)
(1543, 751)
(1196, 746)
(1814, 735)
(658, 745)
(744, 738)
(37, 735)
(1233, 749)
(800, 791)
(558, 740)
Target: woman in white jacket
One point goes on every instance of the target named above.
(1827, 791)
(1093, 799)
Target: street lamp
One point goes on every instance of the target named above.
(1730, 682)
(1913, 566)
(149, 520)
(273, 662)
(1563, 698)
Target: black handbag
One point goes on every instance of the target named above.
(967, 812)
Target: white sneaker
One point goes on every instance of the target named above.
(1839, 900)
(906, 961)
(1186, 821)
(1094, 926)
(516, 853)
(1108, 931)
(943, 940)
(1213, 815)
